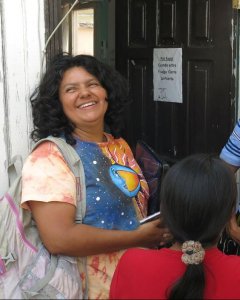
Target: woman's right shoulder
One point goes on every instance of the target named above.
(46, 153)
(46, 147)
(44, 150)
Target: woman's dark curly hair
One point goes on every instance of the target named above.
(48, 115)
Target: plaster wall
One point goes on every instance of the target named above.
(22, 39)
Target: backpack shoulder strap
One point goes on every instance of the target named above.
(75, 164)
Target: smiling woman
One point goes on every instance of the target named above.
(77, 97)
(84, 102)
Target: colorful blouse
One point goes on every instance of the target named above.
(116, 194)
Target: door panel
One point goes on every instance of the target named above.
(200, 74)
(166, 22)
(203, 29)
(140, 74)
(199, 27)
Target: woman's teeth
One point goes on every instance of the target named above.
(87, 104)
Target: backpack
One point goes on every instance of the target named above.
(27, 269)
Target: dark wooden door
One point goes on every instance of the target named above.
(203, 29)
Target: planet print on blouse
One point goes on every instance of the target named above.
(126, 179)
(107, 206)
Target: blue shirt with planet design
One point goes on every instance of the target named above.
(110, 186)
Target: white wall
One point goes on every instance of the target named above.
(22, 39)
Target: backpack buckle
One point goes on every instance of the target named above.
(5, 260)
(11, 257)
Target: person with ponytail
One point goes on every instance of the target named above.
(198, 198)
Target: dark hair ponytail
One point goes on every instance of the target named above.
(191, 285)
(198, 196)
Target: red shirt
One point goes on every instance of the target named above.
(148, 274)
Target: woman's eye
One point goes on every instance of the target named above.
(94, 83)
(70, 90)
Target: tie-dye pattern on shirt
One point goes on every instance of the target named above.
(117, 195)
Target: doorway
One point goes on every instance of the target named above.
(204, 30)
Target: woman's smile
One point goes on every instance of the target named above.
(87, 105)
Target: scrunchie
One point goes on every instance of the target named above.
(193, 253)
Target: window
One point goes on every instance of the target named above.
(83, 31)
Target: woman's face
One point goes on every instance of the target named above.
(83, 98)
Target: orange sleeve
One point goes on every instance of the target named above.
(46, 177)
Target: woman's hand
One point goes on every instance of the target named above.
(233, 229)
(154, 234)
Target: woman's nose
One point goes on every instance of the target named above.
(84, 92)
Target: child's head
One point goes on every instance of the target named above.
(198, 196)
